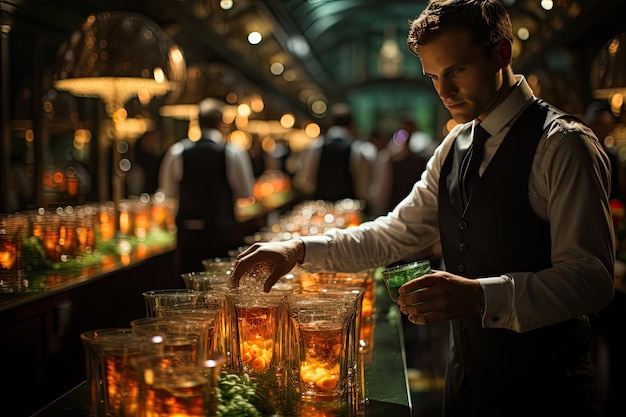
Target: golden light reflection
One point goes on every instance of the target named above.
(244, 110)
(287, 120)
(256, 104)
(617, 101)
(240, 138)
(312, 130)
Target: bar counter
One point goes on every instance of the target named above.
(386, 383)
(40, 348)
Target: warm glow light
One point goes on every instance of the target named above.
(226, 4)
(268, 144)
(277, 68)
(319, 107)
(7, 258)
(241, 122)
(194, 133)
(617, 101)
(256, 104)
(312, 130)
(229, 114)
(244, 110)
(231, 98)
(547, 4)
(120, 114)
(29, 135)
(450, 124)
(255, 38)
(613, 46)
(260, 127)
(289, 75)
(240, 138)
(523, 33)
(58, 177)
(159, 75)
(144, 96)
(177, 55)
(287, 120)
(125, 165)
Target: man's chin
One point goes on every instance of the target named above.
(461, 118)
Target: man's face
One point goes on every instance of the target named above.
(465, 79)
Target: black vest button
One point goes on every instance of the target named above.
(461, 268)
(463, 225)
(462, 246)
(495, 318)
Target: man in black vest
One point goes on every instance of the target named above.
(205, 177)
(517, 194)
(337, 165)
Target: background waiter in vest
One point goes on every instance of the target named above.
(337, 164)
(528, 249)
(206, 177)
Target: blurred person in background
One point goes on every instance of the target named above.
(518, 196)
(378, 139)
(257, 155)
(397, 169)
(205, 178)
(21, 192)
(337, 164)
(147, 156)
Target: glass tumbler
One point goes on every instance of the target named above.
(112, 379)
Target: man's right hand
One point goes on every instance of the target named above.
(280, 257)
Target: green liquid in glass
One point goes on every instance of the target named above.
(395, 277)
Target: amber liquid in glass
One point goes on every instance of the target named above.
(122, 384)
(256, 327)
(181, 396)
(320, 370)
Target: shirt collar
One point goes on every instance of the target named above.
(510, 108)
(213, 134)
(338, 132)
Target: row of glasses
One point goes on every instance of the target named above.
(299, 344)
(165, 364)
(130, 375)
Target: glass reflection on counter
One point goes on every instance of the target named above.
(71, 239)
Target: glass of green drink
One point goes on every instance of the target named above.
(396, 276)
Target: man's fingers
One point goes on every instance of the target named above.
(248, 250)
(241, 267)
(271, 280)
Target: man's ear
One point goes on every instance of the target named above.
(504, 50)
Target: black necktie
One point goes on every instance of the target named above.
(471, 163)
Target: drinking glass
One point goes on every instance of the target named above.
(397, 276)
(157, 299)
(206, 281)
(180, 336)
(255, 321)
(351, 298)
(323, 334)
(262, 347)
(172, 387)
(112, 380)
(205, 318)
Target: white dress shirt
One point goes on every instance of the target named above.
(568, 187)
(362, 157)
(238, 168)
